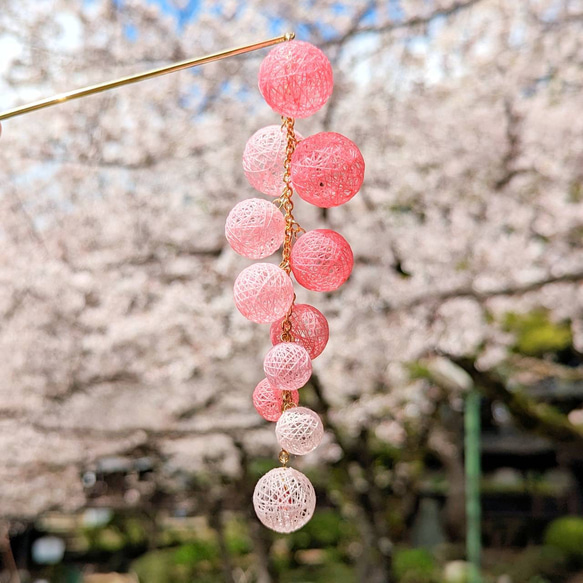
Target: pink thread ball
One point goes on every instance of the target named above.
(299, 430)
(263, 292)
(255, 228)
(268, 401)
(263, 159)
(284, 500)
(296, 79)
(309, 328)
(287, 366)
(321, 260)
(327, 169)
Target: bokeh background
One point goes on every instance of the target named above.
(128, 440)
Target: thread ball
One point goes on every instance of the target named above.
(263, 159)
(309, 328)
(296, 79)
(327, 169)
(284, 500)
(321, 260)
(255, 228)
(268, 401)
(263, 293)
(299, 430)
(287, 366)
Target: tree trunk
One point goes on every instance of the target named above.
(217, 524)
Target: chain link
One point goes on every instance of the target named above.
(292, 231)
(283, 457)
(292, 227)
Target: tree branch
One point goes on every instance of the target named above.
(395, 25)
(470, 292)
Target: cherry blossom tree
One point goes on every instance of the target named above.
(119, 331)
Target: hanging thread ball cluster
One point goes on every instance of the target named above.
(284, 500)
(287, 366)
(327, 169)
(321, 260)
(263, 293)
(255, 228)
(299, 430)
(309, 326)
(268, 401)
(296, 79)
(263, 159)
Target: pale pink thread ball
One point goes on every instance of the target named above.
(327, 169)
(296, 79)
(255, 228)
(287, 366)
(268, 401)
(299, 430)
(284, 500)
(263, 292)
(321, 260)
(309, 328)
(263, 159)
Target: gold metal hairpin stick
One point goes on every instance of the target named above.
(92, 89)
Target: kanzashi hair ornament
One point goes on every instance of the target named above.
(296, 81)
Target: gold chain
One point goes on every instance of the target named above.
(283, 457)
(292, 230)
(292, 227)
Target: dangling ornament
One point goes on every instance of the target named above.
(296, 81)
(268, 401)
(321, 260)
(284, 500)
(263, 293)
(310, 329)
(255, 228)
(263, 159)
(288, 366)
(327, 169)
(299, 430)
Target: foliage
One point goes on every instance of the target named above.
(414, 566)
(536, 334)
(196, 561)
(336, 572)
(566, 535)
(237, 537)
(196, 552)
(533, 564)
(326, 529)
(120, 532)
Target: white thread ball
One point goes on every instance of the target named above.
(284, 500)
(263, 293)
(299, 430)
(255, 228)
(287, 366)
(263, 159)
